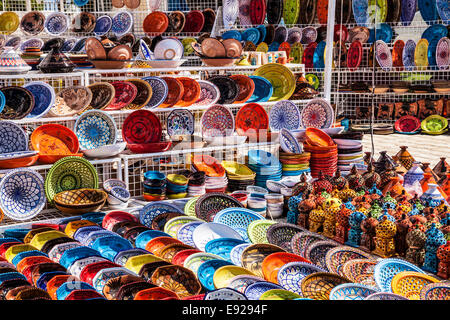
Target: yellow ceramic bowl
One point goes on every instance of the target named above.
(135, 263)
(281, 78)
(223, 275)
(177, 179)
(236, 169)
(279, 294)
(73, 226)
(9, 22)
(16, 249)
(262, 47)
(41, 238)
(409, 284)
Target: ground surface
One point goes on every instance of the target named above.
(424, 148)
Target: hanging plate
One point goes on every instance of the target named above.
(383, 55)
(393, 14)
(428, 11)
(308, 55)
(319, 56)
(408, 11)
(244, 13)
(322, 11)
(257, 11)
(308, 12)
(297, 52)
(274, 11)
(408, 55)
(291, 11)
(397, 54)
(443, 8)
(421, 54)
(354, 55)
(443, 53)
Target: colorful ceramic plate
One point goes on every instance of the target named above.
(252, 118)
(408, 55)
(209, 93)
(281, 78)
(284, 114)
(274, 11)
(443, 9)
(180, 122)
(257, 12)
(195, 20)
(244, 13)
(263, 89)
(354, 55)
(319, 56)
(17, 104)
(160, 91)
(383, 55)
(9, 22)
(407, 124)
(318, 113)
(397, 54)
(44, 97)
(308, 55)
(155, 23)
(230, 12)
(408, 11)
(122, 23)
(443, 53)
(421, 54)
(289, 143)
(428, 10)
(141, 126)
(216, 121)
(56, 23)
(95, 128)
(309, 35)
(228, 88)
(103, 25)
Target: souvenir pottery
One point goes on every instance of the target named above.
(11, 62)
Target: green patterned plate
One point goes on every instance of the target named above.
(291, 11)
(189, 207)
(380, 9)
(434, 124)
(257, 230)
(313, 80)
(279, 294)
(297, 52)
(70, 173)
(187, 45)
(171, 227)
(281, 78)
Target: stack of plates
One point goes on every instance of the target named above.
(265, 165)
(215, 177)
(154, 186)
(239, 175)
(196, 185)
(350, 153)
(322, 159)
(177, 186)
(294, 164)
(80, 60)
(216, 184)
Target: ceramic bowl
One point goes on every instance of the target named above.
(80, 200)
(105, 151)
(120, 52)
(168, 49)
(165, 63)
(109, 64)
(218, 62)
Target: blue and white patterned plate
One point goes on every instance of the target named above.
(222, 247)
(224, 294)
(44, 98)
(255, 290)
(408, 55)
(230, 12)
(122, 23)
(56, 23)
(180, 122)
(184, 234)
(428, 10)
(57, 251)
(89, 241)
(103, 25)
(232, 34)
(160, 91)
(109, 246)
(236, 253)
(443, 8)
(12, 137)
(145, 50)
(67, 287)
(291, 274)
(68, 45)
(32, 43)
(211, 230)
(284, 114)
(154, 209)
(289, 143)
(237, 218)
(241, 282)
(360, 11)
(95, 128)
(22, 195)
(385, 296)
(351, 291)
(385, 270)
(17, 155)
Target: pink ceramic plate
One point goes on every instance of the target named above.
(383, 55)
(125, 94)
(443, 53)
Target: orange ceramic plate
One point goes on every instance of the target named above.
(318, 138)
(397, 54)
(56, 282)
(18, 162)
(273, 262)
(156, 293)
(246, 87)
(54, 139)
(209, 165)
(158, 243)
(191, 90)
(285, 46)
(155, 23)
(176, 92)
(31, 261)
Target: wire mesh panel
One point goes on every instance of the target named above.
(106, 169)
(176, 160)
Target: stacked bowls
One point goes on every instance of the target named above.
(323, 150)
(177, 186)
(265, 165)
(294, 164)
(350, 153)
(239, 175)
(196, 185)
(154, 186)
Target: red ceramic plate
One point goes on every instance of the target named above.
(149, 147)
(176, 92)
(156, 293)
(397, 54)
(54, 139)
(354, 55)
(308, 55)
(83, 295)
(286, 47)
(340, 33)
(407, 124)
(115, 217)
(194, 21)
(141, 126)
(182, 255)
(246, 87)
(322, 11)
(191, 90)
(273, 262)
(318, 138)
(155, 23)
(257, 11)
(125, 94)
(251, 118)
